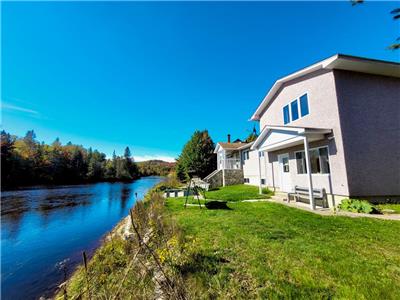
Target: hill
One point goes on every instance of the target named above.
(155, 167)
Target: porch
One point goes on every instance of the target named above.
(229, 160)
(293, 162)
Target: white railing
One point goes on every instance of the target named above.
(231, 163)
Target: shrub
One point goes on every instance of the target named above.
(266, 191)
(356, 206)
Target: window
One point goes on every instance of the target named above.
(285, 164)
(324, 160)
(301, 163)
(295, 111)
(319, 160)
(294, 107)
(263, 181)
(286, 116)
(246, 180)
(304, 105)
(261, 154)
(245, 155)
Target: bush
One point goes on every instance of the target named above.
(267, 191)
(356, 206)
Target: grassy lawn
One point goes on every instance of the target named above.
(266, 250)
(237, 193)
(395, 207)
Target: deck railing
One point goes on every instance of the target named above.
(231, 164)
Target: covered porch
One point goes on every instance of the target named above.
(307, 167)
(229, 160)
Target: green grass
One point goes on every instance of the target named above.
(395, 207)
(237, 193)
(271, 251)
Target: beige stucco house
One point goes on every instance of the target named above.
(339, 119)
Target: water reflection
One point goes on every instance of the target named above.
(41, 227)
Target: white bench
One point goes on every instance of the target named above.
(303, 192)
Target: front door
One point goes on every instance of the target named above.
(284, 172)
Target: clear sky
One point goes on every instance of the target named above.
(148, 74)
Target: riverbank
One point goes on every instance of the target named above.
(45, 229)
(251, 250)
(136, 258)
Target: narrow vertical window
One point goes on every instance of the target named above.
(324, 160)
(294, 107)
(286, 116)
(304, 105)
(301, 163)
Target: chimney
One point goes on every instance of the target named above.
(229, 138)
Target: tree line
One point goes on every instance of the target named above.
(155, 167)
(25, 161)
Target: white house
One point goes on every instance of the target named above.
(332, 126)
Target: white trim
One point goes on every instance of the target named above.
(313, 133)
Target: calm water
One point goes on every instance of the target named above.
(41, 227)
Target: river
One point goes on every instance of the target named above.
(41, 227)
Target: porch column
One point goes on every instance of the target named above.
(259, 173)
(309, 177)
(223, 168)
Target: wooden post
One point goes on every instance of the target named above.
(87, 274)
(134, 227)
(309, 176)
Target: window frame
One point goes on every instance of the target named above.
(291, 110)
(314, 174)
(299, 113)
(246, 155)
(284, 114)
(308, 105)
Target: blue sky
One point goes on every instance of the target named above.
(148, 74)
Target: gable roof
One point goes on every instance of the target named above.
(230, 146)
(295, 129)
(340, 62)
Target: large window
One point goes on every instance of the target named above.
(304, 105)
(294, 107)
(286, 116)
(319, 160)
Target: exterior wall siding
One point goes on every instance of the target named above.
(369, 109)
(250, 168)
(323, 113)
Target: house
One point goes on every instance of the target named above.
(338, 118)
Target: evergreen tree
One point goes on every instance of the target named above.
(197, 156)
